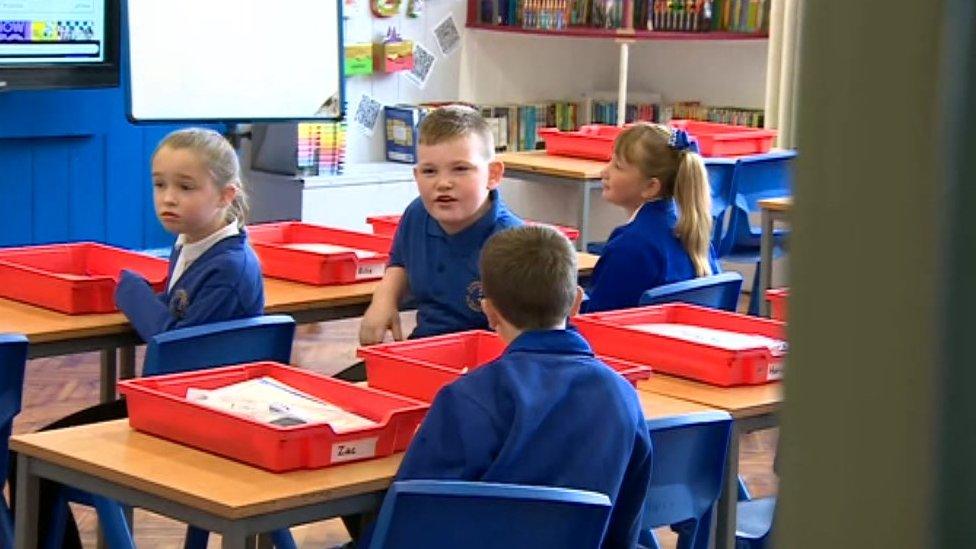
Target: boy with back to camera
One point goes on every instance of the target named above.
(547, 412)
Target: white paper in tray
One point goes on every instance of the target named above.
(330, 249)
(268, 400)
(723, 339)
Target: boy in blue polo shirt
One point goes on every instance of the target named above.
(435, 250)
(546, 412)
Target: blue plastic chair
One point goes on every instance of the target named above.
(481, 515)
(687, 476)
(719, 291)
(187, 349)
(13, 361)
(720, 171)
(754, 523)
(755, 178)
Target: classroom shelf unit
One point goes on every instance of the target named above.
(622, 34)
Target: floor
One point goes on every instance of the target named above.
(56, 387)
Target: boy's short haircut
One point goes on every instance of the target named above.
(455, 121)
(529, 273)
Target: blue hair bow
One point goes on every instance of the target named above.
(679, 140)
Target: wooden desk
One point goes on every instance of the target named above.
(54, 334)
(753, 408)
(206, 490)
(539, 167)
(772, 209)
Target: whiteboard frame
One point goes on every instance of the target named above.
(126, 81)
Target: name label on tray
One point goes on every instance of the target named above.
(774, 370)
(353, 449)
(370, 270)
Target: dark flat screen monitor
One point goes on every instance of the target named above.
(48, 44)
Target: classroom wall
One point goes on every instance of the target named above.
(73, 168)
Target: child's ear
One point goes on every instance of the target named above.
(228, 193)
(653, 189)
(491, 313)
(577, 302)
(496, 170)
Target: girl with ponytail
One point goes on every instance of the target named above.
(214, 274)
(663, 187)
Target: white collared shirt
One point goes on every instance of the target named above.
(191, 252)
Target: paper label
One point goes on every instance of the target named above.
(370, 270)
(774, 370)
(354, 449)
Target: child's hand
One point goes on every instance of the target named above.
(130, 277)
(378, 319)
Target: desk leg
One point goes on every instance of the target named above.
(107, 385)
(726, 508)
(127, 362)
(236, 539)
(765, 261)
(28, 504)
(584, 219)
(265, 542)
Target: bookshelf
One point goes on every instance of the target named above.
(623, 36)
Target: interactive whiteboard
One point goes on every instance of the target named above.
(234, 60)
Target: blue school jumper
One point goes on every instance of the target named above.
(643, 254)
(442, 269)
(545, 413)
(224, 283)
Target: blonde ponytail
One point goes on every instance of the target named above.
(682, 175)
(221, 160)
(693, 197)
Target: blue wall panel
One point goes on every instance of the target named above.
(15, 188)
(73, 168)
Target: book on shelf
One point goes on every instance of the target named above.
(738, 16)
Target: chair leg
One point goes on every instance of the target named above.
(744, 494)
(111, 518)
(754, 296)
(195, 538)
(703, 531)
(54, 538)
(648, 540)
(6, 525)
(283, 539)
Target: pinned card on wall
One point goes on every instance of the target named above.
(423, 66)
(447, 35)
(367, 112)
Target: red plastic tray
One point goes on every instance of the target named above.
(594, 141)
(727, 140)
(385, 225)
(420, 367)
(157, 405)
(777, 300)
(271, 241)
(73, 278)
(609, 334)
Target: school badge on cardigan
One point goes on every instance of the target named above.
(179, 303)
(474, 296)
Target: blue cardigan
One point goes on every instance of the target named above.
(545, 413)
(222, 284)
(641, 255)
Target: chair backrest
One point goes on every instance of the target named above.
(13, 361)
(219, 344)
(756, 177)
(688, 468)
(720, 291)
(475, 515)
(721, 182)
